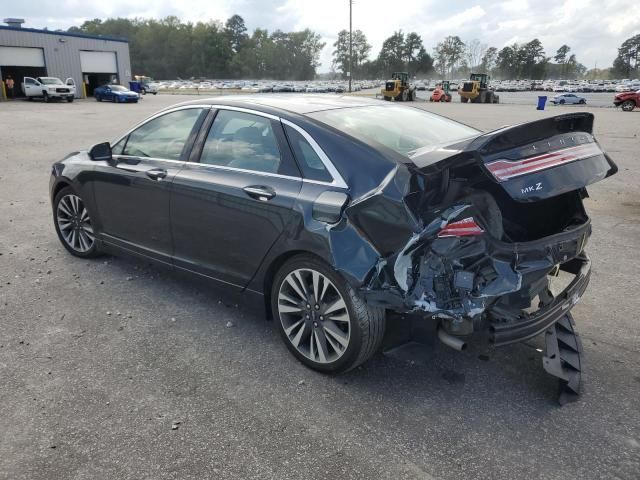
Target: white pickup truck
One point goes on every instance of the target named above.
(49, 88)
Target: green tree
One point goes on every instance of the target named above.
(626, 64)
(236, 31)
(449, 54)
(361, 50)
(488, 61)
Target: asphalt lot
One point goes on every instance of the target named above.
(99, 359)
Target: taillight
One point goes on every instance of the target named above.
(461, 228)
(506, 169)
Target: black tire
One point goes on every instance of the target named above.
(388, 99)
(464, 99)
(155, 93)
(143, 91)
(582, 101)
(45, 97)
(561, 102)
(628, 106)
(69, 99)
(98, 99)
(93, 251)
(412, 95)
(367, 324)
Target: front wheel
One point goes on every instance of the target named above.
(324, 322)
(582, 101)
(69, 99)
(628, 106)
(45, 97)
(73, 224)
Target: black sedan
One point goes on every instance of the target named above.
(337, 210)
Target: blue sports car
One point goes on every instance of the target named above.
(115, 93)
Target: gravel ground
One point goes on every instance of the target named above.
(114, 369)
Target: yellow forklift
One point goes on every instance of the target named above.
(476, 90)
(399, 89)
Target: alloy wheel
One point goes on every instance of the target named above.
(314, 315)
(74, 223)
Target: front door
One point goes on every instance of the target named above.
(229, 209)
(133, 192)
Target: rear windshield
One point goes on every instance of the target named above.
(403, 129)
(118, 88)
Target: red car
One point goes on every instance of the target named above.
(627, 100)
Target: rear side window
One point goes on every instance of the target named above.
(163, 137)
(308, 160)
(242, 140)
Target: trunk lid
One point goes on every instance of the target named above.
(532, 161)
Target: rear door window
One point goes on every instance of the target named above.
(244, 141)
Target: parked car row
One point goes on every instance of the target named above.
(263, 86)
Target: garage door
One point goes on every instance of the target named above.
(21, 57)
(98, 62)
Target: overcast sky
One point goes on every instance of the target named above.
(593, 29)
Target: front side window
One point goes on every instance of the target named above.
(164, 136)
(242, 140)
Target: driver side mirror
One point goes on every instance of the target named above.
(101, 151)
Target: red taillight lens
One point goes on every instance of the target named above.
(461, 228)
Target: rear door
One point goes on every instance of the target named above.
(229, 209)
(133, 192)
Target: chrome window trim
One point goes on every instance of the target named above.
(156, 115)
(156, 159)
(338, 181)
(243, 170)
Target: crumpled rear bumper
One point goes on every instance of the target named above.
(513, 329)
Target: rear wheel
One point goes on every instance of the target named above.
(73, 224)
(464, 99)
(322, 319)
(388, 99)
(582, 101)
(628, 106)
(561, 102)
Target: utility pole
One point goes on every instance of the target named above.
(350, 44)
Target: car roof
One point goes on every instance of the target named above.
(295, 103)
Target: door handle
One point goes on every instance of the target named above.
(156, 173)
(260, 192)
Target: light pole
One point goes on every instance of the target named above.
(350, 44)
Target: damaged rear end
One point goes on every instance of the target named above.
(495, 223)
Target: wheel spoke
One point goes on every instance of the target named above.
(288, 308)
(291, 328)
(333, 330)
(335, 306)
(64, 225)
(321, 344)
(296, 288)
(74, 237)
(84, 245)
(287, 298)
(342, 317)
(316, 283)
(65, 208)
(302, 283)
(296, 340)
